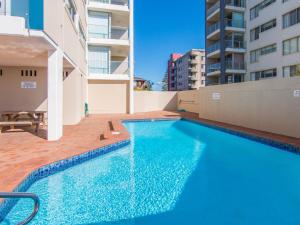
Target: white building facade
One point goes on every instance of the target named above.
(273, 39)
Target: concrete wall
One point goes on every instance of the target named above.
(74, 98)
(189, 101)
(267, 105)
(108, 97)
(13, 97)
(64, 32)
(146, 101)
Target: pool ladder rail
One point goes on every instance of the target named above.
(20, 195)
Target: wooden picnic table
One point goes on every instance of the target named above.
(22, 118)
(37, 116)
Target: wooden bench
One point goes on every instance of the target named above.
(13, 124)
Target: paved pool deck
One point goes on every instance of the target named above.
(22, 152)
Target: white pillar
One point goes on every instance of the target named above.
(131, 58)
(55, 95)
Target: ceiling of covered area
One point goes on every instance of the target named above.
(23, 51)
(121, 51)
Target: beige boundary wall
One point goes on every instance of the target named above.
(147, 101)
(108, 97)
(189, 101)
(267, 105)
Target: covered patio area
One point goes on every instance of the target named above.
(34, 76)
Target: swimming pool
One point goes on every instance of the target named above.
(177, 173)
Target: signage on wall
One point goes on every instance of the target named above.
(296, 93)
(28, 85)
(216, 96)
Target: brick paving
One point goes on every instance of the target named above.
(23, 152)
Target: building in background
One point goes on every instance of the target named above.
(186, 72)
(172, 86)
(257, 40)
(225, 41)
(110, 56)
(273, 39)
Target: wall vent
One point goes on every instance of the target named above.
(28, 73)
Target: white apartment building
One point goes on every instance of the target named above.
(273, 38)
(60, 56)
(186, 72)
(110, 55)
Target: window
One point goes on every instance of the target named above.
(254, 33)
(291, 18)
(263, 74)
(98, 60)
(254, 12)
(268, 25)
(291, 46)
(254, 55)
(81, 33)
(71, 9)
(291, 71)
(98, 24)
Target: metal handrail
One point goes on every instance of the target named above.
(34, 197)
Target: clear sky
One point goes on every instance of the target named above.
(163, 27)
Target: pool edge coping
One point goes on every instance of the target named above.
(55, 167)
(250, 136)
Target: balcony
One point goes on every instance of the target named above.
(212, 28)
(112, 2)
(235, 46)
(117, 70)
(193, 78)
(235, 24)
(102, 35)
(20, 15)
(212, 9)
(213, 48)
(213, 69)
(235, 66)
(193, 62)
(113, 6)
(193, 70)
(236, 3)
(100, 31)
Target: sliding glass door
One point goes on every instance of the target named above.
(98, 60)
(98, 25)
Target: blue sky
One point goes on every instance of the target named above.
(163, 27)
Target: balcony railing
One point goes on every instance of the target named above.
(116, 67)
(213, 67)
(235, 44)
(214, 47)
(103, 32)
(119, 33)
(31, 11)
(119, 67)
(234, 65)
(236, 3)
(213, 8)
(112, 2)
(235, 23)
(212, 28)
(98, 31)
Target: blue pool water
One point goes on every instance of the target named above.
(173, 173)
